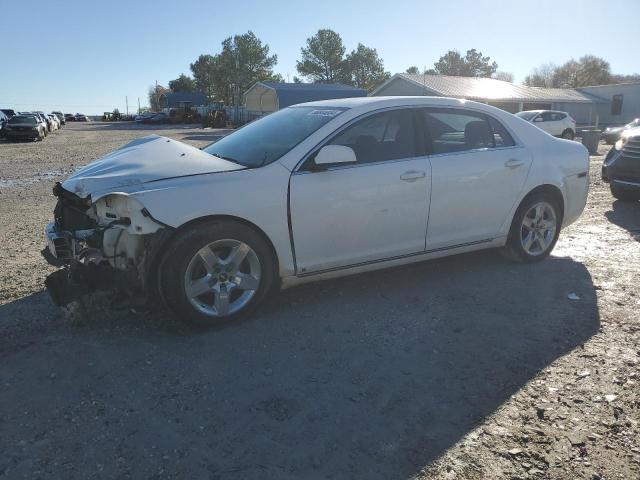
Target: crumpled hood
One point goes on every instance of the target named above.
(144, 160)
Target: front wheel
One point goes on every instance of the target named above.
(568, 134)
(216, 272)
(534, 230)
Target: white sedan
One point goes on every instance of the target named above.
(311, 192)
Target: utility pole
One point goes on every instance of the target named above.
(138, 105)
(156, 97)
(126, 101)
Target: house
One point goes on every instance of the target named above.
(606, 104)
(182, 100)
(622, 102)
(266, 97)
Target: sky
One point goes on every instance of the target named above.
(88, 56)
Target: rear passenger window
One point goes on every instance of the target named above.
(453, 130)
(547, 117)
(385, 136)
(501, 137)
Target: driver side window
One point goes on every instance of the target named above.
(383, 136)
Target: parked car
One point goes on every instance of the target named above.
(3, 122)
(311, 192)
(25, 126)
(46, 119)
(55, 123)
(39, 118)
(558, 124)
(157, 118)
(144, 116)
(61, 117)
(8, 112)
(81, 117)
(69, 117)
(612, 134)
(621, 166)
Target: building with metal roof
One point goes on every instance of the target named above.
(267, 97)
(508, 96)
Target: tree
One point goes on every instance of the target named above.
(412, 70)
(541, 76)
(365, 68)
(504, 76)
(204, 71)
(244, 60)
(588, 70)
(154, 96)
(473, 64)
(183, 84)
(296, 79)
(323, 58)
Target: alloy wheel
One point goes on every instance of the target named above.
(222, 277)
(538, 228)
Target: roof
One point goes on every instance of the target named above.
(477, 88)
(173, 99)
(293, 93)
(393, 101)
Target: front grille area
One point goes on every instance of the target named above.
(632, 148)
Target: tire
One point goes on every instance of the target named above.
(568, 134)
(624, 194)
(200, 278)
(541, 231)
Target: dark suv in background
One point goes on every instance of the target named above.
(8, 112)
(621, 167)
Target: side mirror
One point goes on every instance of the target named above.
(332, 154)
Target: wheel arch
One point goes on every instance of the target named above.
(152, 272)
(549, 189)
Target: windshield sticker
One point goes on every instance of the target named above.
(325, 113)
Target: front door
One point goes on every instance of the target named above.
(372, 210)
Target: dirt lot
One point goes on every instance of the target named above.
(468, 367)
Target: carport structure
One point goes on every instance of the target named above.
(266, 97)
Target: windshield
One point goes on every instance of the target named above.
(526, 115)
(265, 140)
(21, 119)
(635, 123)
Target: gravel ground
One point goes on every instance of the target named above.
(468, 367)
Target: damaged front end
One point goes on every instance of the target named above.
(107, 244)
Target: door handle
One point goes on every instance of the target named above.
(412, 175)
(513, 163)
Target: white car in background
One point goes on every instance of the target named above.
(311, 192)
(558, 124)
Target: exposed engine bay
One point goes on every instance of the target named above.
(102, 245)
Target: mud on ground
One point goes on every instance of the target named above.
(468, 367)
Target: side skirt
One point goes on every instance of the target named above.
(295, 280)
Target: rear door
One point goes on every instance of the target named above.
(478, 172)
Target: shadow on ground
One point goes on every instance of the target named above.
(626, 214)
(372, 376)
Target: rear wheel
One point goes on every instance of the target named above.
(216, 272)
(568, 134)
(625, 194)
(535, 229)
